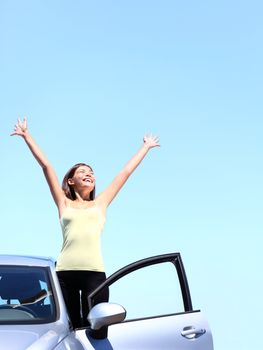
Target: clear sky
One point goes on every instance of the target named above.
(92, 78)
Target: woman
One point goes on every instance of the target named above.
(80, 266)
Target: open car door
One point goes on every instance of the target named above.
(157, 308)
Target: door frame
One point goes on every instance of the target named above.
(174, 258)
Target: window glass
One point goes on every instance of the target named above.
(150, 291)
(25, 295)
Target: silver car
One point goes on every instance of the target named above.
(33, 315)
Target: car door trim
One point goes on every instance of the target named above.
(174, 258)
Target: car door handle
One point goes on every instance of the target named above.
(192, 332)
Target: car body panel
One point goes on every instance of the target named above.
(160, 333)
(186, 330)
(33, 337)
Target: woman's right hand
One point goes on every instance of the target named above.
(20, 128)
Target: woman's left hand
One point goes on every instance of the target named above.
(151, 141)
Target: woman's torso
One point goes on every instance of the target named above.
(81, 229)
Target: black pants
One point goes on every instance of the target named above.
(76, 286)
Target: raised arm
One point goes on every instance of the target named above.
(21, 129)
(110, 192)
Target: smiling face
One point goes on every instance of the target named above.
(82, 178)
(79, 179)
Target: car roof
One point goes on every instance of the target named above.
(27, 260)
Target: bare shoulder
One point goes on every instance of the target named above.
(100, 202)
(63, 204)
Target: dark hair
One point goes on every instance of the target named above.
(68, 189)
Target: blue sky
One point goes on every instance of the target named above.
(92, 78)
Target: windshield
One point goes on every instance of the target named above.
(26, 295)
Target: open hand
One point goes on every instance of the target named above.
(20, 127)
(151, 141)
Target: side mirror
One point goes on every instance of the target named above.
(105, 314)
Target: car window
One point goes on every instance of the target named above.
(150, 291)
(25, 295)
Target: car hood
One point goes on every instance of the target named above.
(35, 339)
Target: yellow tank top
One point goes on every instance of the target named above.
(81, 248)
